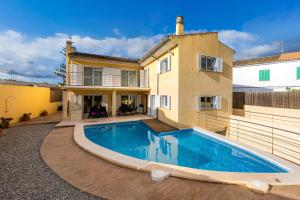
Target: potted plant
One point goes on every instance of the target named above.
(44, 113)
(25, 117)
(5, 122)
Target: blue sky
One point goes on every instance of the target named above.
(32, 31)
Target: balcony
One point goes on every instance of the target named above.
(100, 79)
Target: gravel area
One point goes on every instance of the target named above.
(23, 174)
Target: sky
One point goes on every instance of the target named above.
(33, 32)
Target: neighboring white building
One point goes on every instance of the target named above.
(275, 73)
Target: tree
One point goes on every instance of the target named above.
(60, 71)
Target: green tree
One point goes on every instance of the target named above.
(60, 71)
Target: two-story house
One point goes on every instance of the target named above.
(272, 73)
(180, 77)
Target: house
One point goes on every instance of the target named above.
(183, 75)
(19, 97)
(273, 73)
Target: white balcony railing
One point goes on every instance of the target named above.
(105, 80)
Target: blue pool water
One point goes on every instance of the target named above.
(186, 148)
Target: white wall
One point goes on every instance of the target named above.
(282, 74)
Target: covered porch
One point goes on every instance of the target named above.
(87, 102)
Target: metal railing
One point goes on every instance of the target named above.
(278, 141)
(104, 80)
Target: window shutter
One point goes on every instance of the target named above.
(298, 73)
(198, 103)
(219, 62)
(158, 66)
(142, 78)
(169, 62)
(148, 105)
(199, 61)
(218, 102)
(169, 102)
(157, 101)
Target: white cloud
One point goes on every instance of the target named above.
(117, 32)
(34, 59)
(233, 37)
(259, 50)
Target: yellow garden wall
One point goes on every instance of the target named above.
(25, 99)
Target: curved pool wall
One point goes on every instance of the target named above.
(288, 174)
(186, 148)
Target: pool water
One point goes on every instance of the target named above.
(186, 148)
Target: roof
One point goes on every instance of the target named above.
(161, 43)
(24, 83)
(269, 59)
(166, 39)
(104, 57)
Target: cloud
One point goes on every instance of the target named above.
(35, 59)
(117, 32)
(259, 50)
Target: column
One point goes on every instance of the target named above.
(114, 103)
(65, 104)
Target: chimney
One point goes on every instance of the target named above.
(179, 25)
(69, 47)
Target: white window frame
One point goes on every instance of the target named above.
(216, 103)
(217, 65)
(165, 101)
(164, 65)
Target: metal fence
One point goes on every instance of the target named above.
(290, 99)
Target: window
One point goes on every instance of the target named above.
(164, 65)
(128, 78)
(92, 76)
(264, 75)
(298, 73)
(55, 95)
(209, 102)
(207, 63)
(165, 101)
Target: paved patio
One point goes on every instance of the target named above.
(23, 174)
(100, 178)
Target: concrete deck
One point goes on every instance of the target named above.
(159, 126)
(100, 178)
(66, 123)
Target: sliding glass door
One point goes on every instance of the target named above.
(92, 76)
(128, 78)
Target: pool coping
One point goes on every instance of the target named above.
(292, 177)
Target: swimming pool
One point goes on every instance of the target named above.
(185, 148)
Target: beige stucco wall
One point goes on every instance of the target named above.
(193, 82)
(166, 84)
